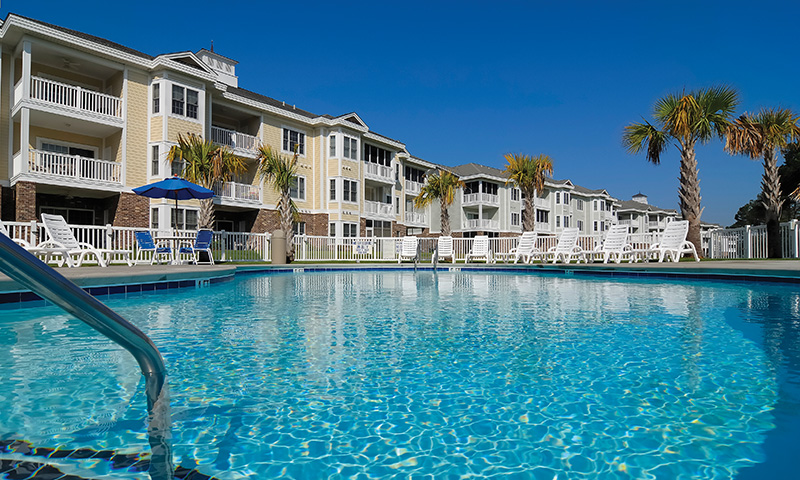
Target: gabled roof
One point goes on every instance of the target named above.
(642, 207)
(586, 191)
(476, 170)
(187, 58)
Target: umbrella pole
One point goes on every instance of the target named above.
(176, 216)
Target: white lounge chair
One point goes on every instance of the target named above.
(409, 249)
(566, 248)
(444, 249)
(480, 250)
(673, 242)
(62, 242)
(615, 246)
(526, 248)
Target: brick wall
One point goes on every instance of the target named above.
(266, 221)
(130, 210)
(25, 201)
(316, 223)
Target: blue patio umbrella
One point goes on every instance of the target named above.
(176, 188)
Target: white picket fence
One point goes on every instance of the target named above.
(255, 247)
(751, 241)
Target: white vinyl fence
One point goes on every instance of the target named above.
(751, 241)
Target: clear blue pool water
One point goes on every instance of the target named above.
(415, 375)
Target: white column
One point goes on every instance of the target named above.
(480, 201)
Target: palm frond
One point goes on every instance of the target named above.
(640, 137)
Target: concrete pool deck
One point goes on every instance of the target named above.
(178, 276)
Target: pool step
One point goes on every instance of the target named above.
(15, 469)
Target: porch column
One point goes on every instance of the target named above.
(25, 114)
(480, 203)
(26, 69)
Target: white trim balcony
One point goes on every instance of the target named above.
(380, 209)
(72, 97)
(381, 173)
(71, 168)
(480, 199)
(627, 222)
(413, 188)
(416, 218)
(481, 224)
(238, 192)
(237, 141)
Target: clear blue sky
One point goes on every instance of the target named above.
(462, 82)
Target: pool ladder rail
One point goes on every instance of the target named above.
(43, 280)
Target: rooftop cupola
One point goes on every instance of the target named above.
(224, 67)
(640, 197)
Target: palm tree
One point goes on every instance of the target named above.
(528, 174)
(763, 135)
(281, 172)
(441, 186)
(205, 164)
(684, 119)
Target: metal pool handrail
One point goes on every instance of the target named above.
(43, 280)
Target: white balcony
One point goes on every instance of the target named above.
(542, 227)
(481, 224)
(480, 199)
(381, 173)
(238, 192)
(72, 97)
(69, 167)
(413, 188)
(627, 222)
(380, 209)
(237, 141)
(416, 218)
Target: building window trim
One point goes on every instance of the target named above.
(286, 141)
(299, 191)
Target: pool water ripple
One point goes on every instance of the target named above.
(396, 374)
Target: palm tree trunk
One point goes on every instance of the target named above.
(206, 215)
(689, 195)
(286, 224)
(528, 214)
(445, 219)
(771, 187)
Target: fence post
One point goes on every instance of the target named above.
(109, 243)
(793, 232)
(748, 246)
(34, 233)
(224, 245)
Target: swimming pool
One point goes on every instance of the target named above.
(394, 374)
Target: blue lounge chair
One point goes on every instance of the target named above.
(201, 244)
(146, 244)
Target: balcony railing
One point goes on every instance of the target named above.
(234, 139)
(379, 172)
(74, 166)
(413, 188)
(481, 224)
(480, 198)
(238, 191)
(415, 218)
(379, 208)
(75, 97)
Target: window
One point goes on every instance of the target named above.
(558, 198)
(580, 225)
(299, 228)
(594, 207)
(414, 231)
(350, 191)
(397, 205)
(331, 229)
(377, 155)
(514, 194)
(184, 101)
(515, 219)
(186, 219)
(293, 139)
(333, 189)
(566, 198)
(298, 189)
(87, 152)
(154, 170)
(579, 204)
(566, 221)
(332, 146)
(177, 167)
(349, 230)
(602, 226)
(542, 216)
(154, 218)
(378, 228)
(156, 98)
(350, 148)
(490, 188)
(595, 226)
(602, 206)
(558, 221)
(78, 216)
(415, 174)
